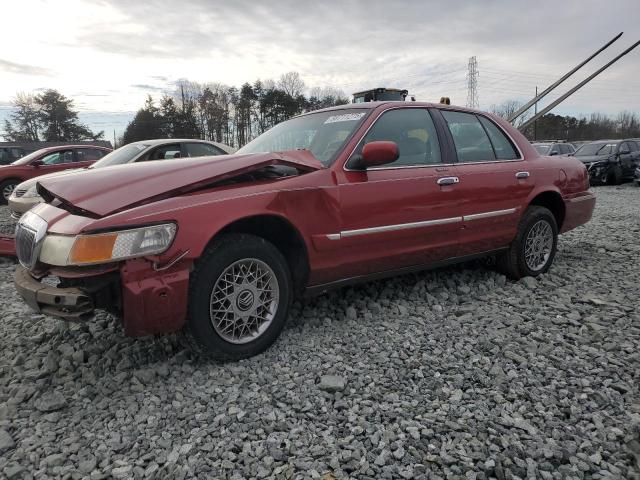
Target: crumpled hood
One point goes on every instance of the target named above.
(32, 181)
(103, 191)
(593, 158)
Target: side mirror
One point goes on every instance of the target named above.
(375, 154)
(552, 154)
(37, 163)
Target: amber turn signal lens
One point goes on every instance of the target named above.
(92, 249)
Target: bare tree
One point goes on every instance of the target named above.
(291, 83)
(507, 108)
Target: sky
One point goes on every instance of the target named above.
(108, 55)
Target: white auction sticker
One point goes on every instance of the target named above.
(346, 117)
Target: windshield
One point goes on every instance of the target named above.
(323, 134)
(542, 148)
(596, 149)
(26, 159)
(121, 155)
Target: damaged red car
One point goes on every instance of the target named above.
(220, 246)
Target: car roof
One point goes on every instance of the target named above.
(64, 147)
(158, 141)
(372, 105)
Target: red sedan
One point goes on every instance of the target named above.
(44, 161)
(221, 246)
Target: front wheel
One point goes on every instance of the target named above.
(532, 251)
(240, 296)
(7, 188)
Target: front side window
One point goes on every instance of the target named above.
(164, 152)
(469, 136)
(412, 129)
(57, 158)
(201, 150)
(324, 134)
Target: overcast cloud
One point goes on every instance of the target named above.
(115, 52)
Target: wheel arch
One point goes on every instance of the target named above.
(282, 234)
(553, 201)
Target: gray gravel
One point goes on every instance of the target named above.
(456, 373)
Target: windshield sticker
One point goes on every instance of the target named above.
(347, 117)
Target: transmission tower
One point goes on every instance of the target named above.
(472, 84)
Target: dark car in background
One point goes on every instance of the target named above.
(11, 154)
(44, 161)
(25, 196)
(610, 162)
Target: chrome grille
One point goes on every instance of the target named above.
(18, 192)
(30, 233)
(25, 243)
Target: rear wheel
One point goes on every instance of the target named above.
(532, 251)
(240, 296)
(7, 188)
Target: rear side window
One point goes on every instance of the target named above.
(469, 136)
(201, 150)
(502, 146)
(89, 154)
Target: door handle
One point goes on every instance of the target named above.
(521, 175)
(448, 180)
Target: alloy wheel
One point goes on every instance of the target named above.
(8, 190)
(244, 301)
(538, 245)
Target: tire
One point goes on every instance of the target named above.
(222, 332)
(6, 188)
(515, 263)
(614, 176)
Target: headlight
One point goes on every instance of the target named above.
(120, 245)
(31, 193)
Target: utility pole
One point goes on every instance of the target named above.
(472, 84)
(535, 124)
(114, 138)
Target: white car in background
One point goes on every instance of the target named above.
(25, 196)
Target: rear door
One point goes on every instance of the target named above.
(401, 214)
(495, 181)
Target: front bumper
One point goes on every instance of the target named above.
(149, 301)
(65, 303)
(20, 205)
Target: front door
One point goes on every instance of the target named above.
(401, 214)
(495, 181)
(56, 161)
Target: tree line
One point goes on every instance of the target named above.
(48, 116)
(227, 114)
(574, 129)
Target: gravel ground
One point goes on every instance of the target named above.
(455, 373)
